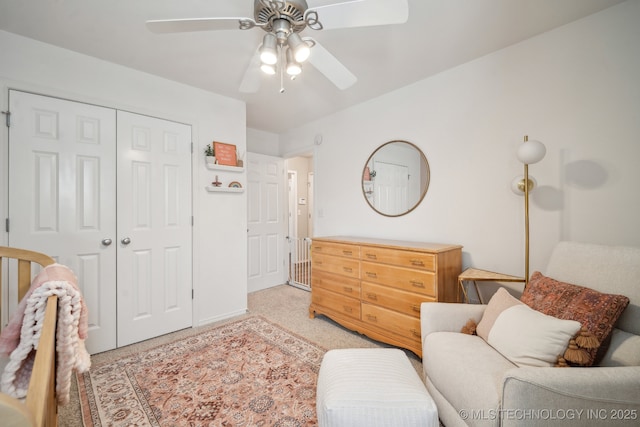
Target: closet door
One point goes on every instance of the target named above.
(62, 196)
(154, 227)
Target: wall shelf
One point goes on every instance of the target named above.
(216, 167)
(213, 189)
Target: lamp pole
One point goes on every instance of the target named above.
(528, 153)
(526, 221)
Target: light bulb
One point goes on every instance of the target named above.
(531, 151)
(268, 69)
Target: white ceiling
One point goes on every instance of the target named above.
(440, 34)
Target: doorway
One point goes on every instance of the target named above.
(300, 220)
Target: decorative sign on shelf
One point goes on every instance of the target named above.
(225, 153)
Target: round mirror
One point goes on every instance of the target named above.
(395, 178)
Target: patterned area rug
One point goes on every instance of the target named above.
(246, 373)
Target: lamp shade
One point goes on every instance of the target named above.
(293, 68)
(531, 151)
(268, 53)
(268, 69)
(301, 50)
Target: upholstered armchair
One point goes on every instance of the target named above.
(474, 384)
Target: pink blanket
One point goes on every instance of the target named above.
(21, 337)
(10, 337)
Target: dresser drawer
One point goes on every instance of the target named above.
(336, 302)
(395, 299)
(400, 324)
(335, 283)
(333, 264)
(407, 279)
(337, 249)
(400, 258)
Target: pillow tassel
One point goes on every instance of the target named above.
(586, 339)
(576, 354)
(469, 328)
(561, 363)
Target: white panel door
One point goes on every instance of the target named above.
(62, 196)
(391, 188)
(266, 198)
(154, 227)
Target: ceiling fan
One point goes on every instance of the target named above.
(283, 49)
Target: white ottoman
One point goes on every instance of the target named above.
(365, 387)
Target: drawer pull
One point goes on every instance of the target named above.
(318, 262)
(415, 333)
(347, 253)
(348, 309)
(372, 318)
(372, 275)
(417, 284)
(415, 308)
(317, 248)
(348, 289)
(372, 296)
(347, 269)
(371, 256)
(417, 262)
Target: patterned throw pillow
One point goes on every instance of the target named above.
(597, 312)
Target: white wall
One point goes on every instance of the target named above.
(576, 89)
(220, 275)
(262, 142)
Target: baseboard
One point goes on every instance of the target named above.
(225, 316)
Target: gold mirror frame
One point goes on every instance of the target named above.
(423, 171)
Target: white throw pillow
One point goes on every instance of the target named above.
(525, 336)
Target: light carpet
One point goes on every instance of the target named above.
(249, 372)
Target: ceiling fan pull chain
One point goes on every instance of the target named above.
(281, 66)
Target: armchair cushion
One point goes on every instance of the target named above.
(455, 362)
(596, 311)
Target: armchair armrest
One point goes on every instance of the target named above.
(447, 317)
(590, 396)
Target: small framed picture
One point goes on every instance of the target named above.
(225, 153)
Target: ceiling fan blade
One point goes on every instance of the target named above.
(252, 76)
(199, 24)
(329, 65)
(362, 13)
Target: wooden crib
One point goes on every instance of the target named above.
(40, 407)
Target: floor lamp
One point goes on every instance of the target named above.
(529, 152)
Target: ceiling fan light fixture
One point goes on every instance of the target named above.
(268, 69)
(268, 51)
(300, 48)
(293, 67)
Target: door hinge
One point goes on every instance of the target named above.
(7, 115)
(191, 147)
(6, 225)
(192, 294)
(192, 220)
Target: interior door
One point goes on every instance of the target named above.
(62, 196)
(391, 188)
(266, 196)
(154, 227)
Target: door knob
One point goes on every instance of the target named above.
(106, 242)
(125, 241)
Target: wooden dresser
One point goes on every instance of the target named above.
(375, 286)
